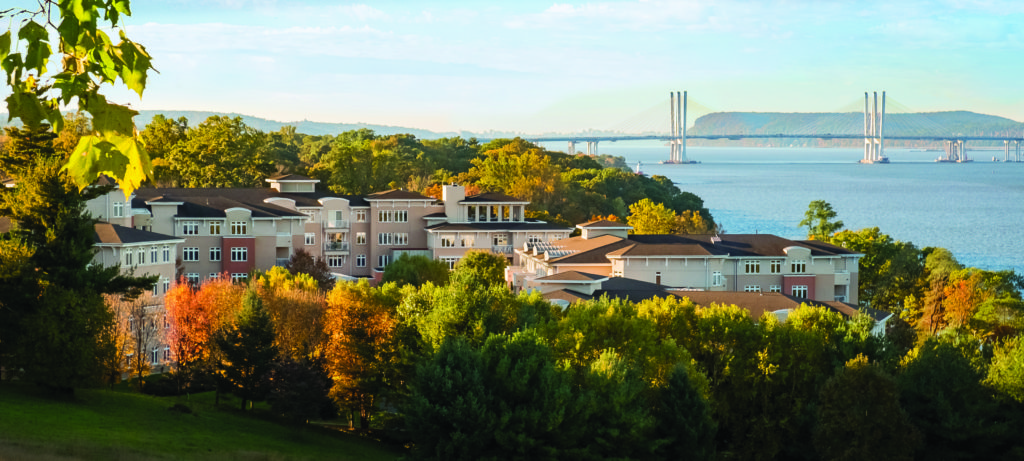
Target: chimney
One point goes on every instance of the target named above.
(452, 194)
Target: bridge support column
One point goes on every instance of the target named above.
(572, 148)
(591, 148)
(874, 138)
(1006, 151)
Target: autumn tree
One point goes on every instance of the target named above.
(143, 324)
(195, 314)
(301, 262)
(820, 221)
(647, 217)
(297, 308)
(365, 353)
(247, 350)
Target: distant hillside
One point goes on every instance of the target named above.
(304, 126)
(930, 123)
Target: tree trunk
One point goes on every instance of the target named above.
(243, 404)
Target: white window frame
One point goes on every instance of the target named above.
(776, 266)
(118, 209)
(798, 291)
(154, 254)
(360, 238)
(239, 255)
(190, 228)
(451, 261)
(310, 238)
(239, 228)
(190, 254)
(716, 279)
(751, 266)
(215, 227)
(192, 278)
(238, 277)
(360, 215)
(361, 261)
(401, 216)
(752, 288)
(215, 254)
(167, 253)
(383, 238)
(382, 260)
(465, 239)
(534, 239)
(129, 257)
(775, 289)
(400, 238)
(499, 240)
(335, 260)
(384, 215)
(447, 241)
(798, 267)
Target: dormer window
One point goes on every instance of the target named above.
(799, 267)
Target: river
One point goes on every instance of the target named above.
(976, 210)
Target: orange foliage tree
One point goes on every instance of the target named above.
(297, 307)
(437, 190)
(962, 299)
(364, 352)
(194, 315)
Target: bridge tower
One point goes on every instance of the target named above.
(677, 116)
(874, 133)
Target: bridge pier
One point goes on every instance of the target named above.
(572, 148)
(677, 137)
(874, 137)
(592, 148)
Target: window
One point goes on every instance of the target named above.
(167, 253)
(500, 239)
(752, 288)
(128, 257)
(800, 291)
(361, 261)
(167, 353)
(167, 285)
(192, 278)
(468, 241)
(214, 276)
(360, 238)
(153, 252)
(142, 255)
(335, 261)
(214, 253)
(775, 289)
(214, 227)
(239, 278)
(360, 215)
(190, 228)
(533, 239)
(383, 216)
(400, 238)
(716, 279)
(131, 323)
(383, 238)
(310, 238)
(118, 209)
(752, 267)
(239, 254)
(310, 215)
(156, 286)
(776, 266)
(238, 228)
(451, 262)
(401, 216)
(190, 254)
(154, 356)
(447, 241)
(798, 267)
(382, 261)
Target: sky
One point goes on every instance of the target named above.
(543, 66)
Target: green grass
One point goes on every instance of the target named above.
(110, 425)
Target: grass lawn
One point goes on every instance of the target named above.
(110, 425)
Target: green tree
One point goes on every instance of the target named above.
(648, 217)
(685, 428)
(889, 271)
(820, 221)
(483, 268)
(221, 152)
(1006, 374)
(247, 349)
(161, 136)
(89, 59)
(859, 416)
(416, 270)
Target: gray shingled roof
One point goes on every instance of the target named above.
(572, 276)
(492, 197)
(113, 233)
(604, 224)
(395, 194)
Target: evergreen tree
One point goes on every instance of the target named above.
(247, 350)
(685, 427)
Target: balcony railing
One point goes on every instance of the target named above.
(337, 224)
(336, 246)
(502, 249)
(281, 262)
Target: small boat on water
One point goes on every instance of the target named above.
(638, 171)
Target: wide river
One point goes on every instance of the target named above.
(976, 210)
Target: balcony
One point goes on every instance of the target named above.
(336, 246)
(337, 224)
(283, 239)
(281, 262)
(502, 249)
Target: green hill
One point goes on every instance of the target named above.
(103, 425)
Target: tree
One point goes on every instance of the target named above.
(889, 271)
(1006, 374)
(685, 428)
(220, 152)
(483, 267)
(161, 136)
(691, 222)
(302, 262)
(248, 350)
(859, 416)
(297, 307)
(820, 221)
(416, 270)
(195, 315)
(298, 390)
(144, 325)
(648, 217)
(89, 59)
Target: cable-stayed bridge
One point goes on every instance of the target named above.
(873, 125)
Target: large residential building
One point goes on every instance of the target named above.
(763, 263)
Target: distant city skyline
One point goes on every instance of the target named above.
(532, 66)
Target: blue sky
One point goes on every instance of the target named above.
(537, 66)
